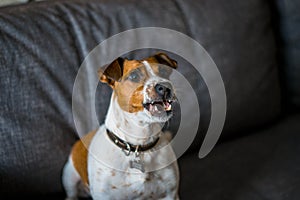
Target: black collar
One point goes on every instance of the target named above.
(125, 146)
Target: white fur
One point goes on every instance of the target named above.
(135, 128)
(149, 85)
(148, 68)
(72, 183)
(111, 177)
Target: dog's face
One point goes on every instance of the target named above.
(142, 86)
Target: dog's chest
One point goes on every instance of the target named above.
(121, 185)
(111, 176)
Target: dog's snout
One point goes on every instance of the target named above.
(164, 89)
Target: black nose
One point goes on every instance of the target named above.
(164, 90)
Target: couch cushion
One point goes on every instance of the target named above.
(43, 44)
(289, 33)
(264, 165)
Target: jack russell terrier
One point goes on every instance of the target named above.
(129, 157)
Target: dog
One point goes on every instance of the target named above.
(129, 157)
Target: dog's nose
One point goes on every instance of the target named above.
(164, 89)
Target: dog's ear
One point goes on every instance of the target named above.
(112, 73)
(162, 58)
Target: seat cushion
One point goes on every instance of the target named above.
(263, 165)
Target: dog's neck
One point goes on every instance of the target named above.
(134, 128)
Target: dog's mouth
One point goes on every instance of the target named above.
(159, 107)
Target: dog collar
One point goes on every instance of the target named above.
(127, 147)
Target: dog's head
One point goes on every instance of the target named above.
(142, 86)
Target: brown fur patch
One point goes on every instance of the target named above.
(130, 95)
(127, 185)
(147, 179)
(79, 156)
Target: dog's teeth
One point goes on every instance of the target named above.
(155, 108)
(152, 102)
(169, 107)
(169, 101)
(150, 107)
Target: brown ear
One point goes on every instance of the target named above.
(112, 73)
(162, 58)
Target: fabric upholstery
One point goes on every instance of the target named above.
(42, 46)
(289, 34)
(264, 165)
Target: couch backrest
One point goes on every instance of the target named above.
(288, 29)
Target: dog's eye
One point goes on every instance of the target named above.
(134, 76)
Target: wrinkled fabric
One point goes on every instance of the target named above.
(42, 46)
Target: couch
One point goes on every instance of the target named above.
(255, 45)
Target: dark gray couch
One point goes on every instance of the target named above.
(255, 44)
